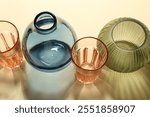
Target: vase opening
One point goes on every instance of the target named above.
(128, 35)
(45, 21)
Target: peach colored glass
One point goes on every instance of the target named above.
(89, 55)
(10, 48)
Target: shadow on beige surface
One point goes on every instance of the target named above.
(98, 90)
(111, 85)
(129, 86)
(11, 84)
(41, 85)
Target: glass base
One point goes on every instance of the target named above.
(86, 79)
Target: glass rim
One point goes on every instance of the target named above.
(17, 32)
(136, 22)
(48, 13)
(94, 38)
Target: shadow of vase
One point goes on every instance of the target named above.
(129, 86)
(44, 85)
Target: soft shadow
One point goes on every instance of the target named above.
(129, 86)
(41, 85)
(11, 84)
(96, 91)
(1, 67)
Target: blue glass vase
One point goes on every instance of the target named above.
(46, 46)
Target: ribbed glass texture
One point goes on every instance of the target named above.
(89, 55)
(10, 48)
(128, 43)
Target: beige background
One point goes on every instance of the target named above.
(87, 17)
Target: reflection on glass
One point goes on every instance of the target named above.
(10, 49)
(46, 45)
(128, 43)
(88, 55)
(47, 42)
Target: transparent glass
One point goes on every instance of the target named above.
(10, 48)
(46, 45)
(47, 42)
(127, 40)
(89, 55)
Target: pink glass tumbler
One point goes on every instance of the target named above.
(10, 48)
(89, 55)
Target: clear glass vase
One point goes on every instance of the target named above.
(46, 46)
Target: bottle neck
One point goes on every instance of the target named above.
(45, 22)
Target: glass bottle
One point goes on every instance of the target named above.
(46, 46)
